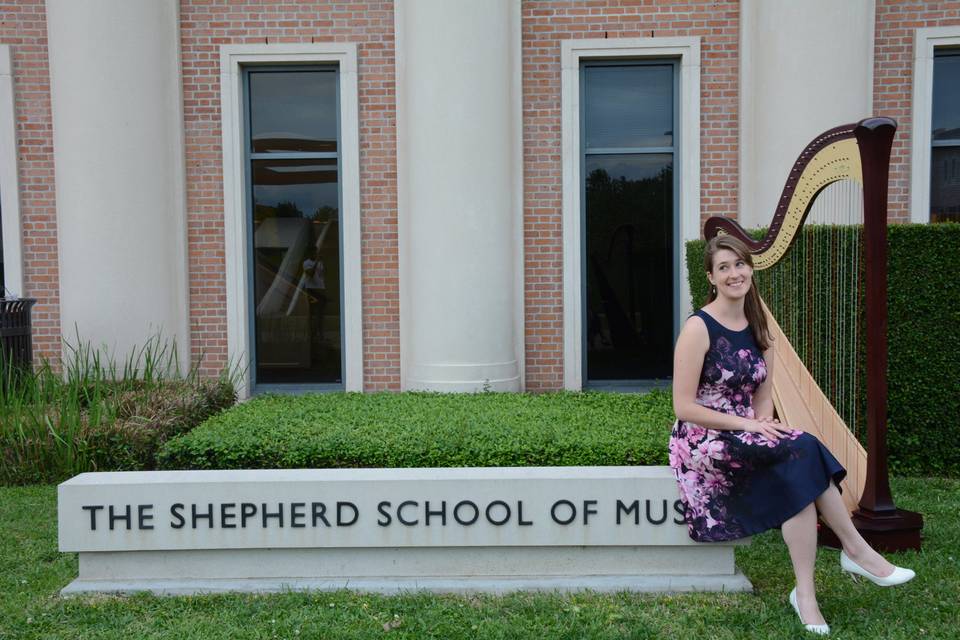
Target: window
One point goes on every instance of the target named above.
(684, 53)
(936, 118)
(945, 137)
(292, 145)
(629, 219)
(3, 282)
(11, 267)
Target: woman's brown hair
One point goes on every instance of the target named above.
(751, 304)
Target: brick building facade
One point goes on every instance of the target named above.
(716, 32)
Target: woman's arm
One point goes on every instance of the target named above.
(763, 398)
(692, 346)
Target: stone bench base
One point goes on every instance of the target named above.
(386, 570)
(394, 586)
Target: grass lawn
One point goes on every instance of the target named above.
(32, 572)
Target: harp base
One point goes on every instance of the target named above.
(889, 531)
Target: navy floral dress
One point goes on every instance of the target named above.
(734, 483)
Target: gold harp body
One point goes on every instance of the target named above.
(839, 154)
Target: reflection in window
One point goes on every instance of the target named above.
(628, 106)
(629, 265)
(294, 187)
(293, 111)
(945, 152)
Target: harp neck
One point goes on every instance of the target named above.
(834, 155)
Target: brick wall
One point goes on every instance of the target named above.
(205, 25)
(23, 26)
(545, 24)
(896, 23)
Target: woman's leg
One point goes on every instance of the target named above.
(800, 534)
(835, 514)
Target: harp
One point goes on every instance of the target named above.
(856, 153)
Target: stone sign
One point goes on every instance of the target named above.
(386, 529)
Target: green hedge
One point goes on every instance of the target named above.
(923, 333)
(924, 348)
(351, 430)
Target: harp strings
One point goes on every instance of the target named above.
(816, 294)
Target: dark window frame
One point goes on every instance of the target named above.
(941, 143)
(248, 157)
(584, 151)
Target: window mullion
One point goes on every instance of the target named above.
(294, 155)
(601, 151)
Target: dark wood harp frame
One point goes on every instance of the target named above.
(860, 152)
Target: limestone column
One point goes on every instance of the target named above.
(118, 154)
(805, 67)
(459, 183)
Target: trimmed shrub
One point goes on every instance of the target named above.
(923, 338)
(923, 294)
(351, 430)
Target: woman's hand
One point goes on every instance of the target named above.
(777, 422)
(766, 426)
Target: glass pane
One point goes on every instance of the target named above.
(945, 184)
(293, 111)
(946, 97)
(296, 239)
(629, 265)
(629, 106)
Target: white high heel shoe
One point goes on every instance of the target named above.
(899, 575)
(819, 629)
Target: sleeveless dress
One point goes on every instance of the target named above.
(735, 483)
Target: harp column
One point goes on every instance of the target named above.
(459, 194)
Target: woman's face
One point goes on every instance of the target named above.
(731, 275)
